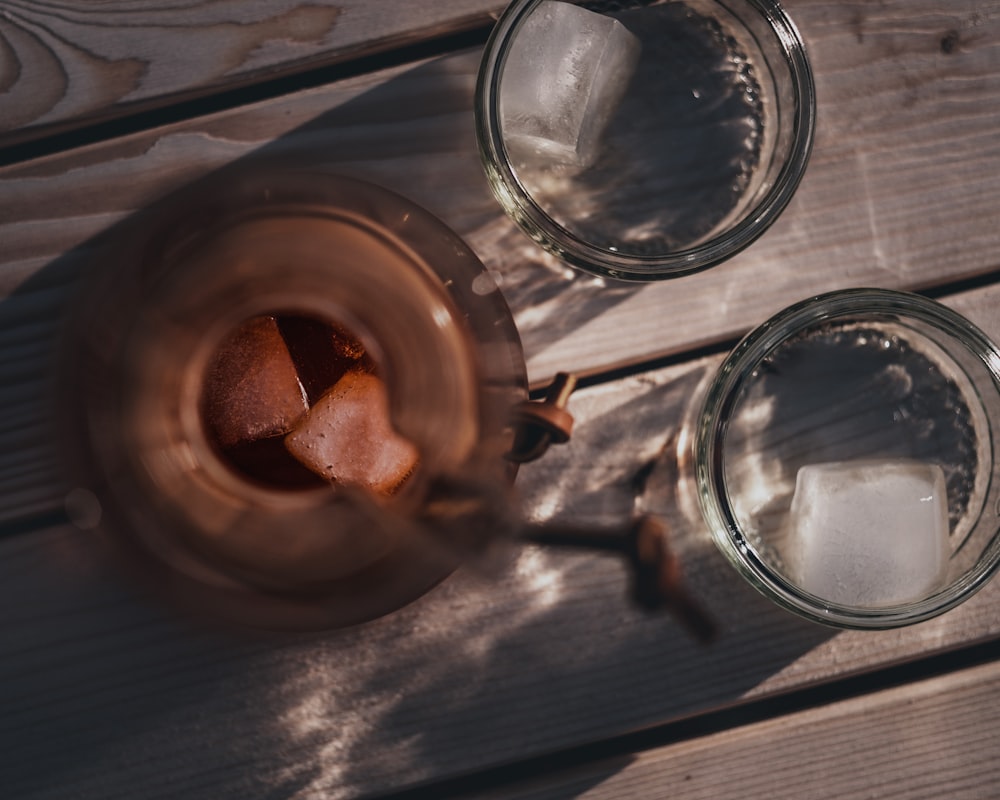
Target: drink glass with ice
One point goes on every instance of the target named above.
(843, 456)
(642, 140)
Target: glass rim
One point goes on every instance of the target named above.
(723, 394)
(519, 205)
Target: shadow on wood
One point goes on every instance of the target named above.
(545, 652)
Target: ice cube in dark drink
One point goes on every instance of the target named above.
(252, 389)
(290, 401)
(347, 437)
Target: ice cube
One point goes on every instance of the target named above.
(566, 72)
(869, 533)
(251, 388)
(347, 437)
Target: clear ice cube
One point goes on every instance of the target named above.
(347, 437)
(566, 72)
(869, 533)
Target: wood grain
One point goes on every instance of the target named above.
(900, 193)
(71, 63)
(530, 651)
(111, 696)
(108, 694)
(920, 741)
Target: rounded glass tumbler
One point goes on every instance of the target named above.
(891, 395)
(645, 140)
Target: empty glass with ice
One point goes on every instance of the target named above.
(642, 140)
(844, 457)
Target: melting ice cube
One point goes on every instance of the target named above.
(347, 437)
(565, 74)
(869, 533)
(252, 389)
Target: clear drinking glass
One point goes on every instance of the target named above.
(865, 377)
(658, 146)
(259, 539)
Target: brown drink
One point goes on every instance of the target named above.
(254, 373)
(291, 401)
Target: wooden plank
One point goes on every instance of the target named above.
(112, 697)
(936, 738)
(30, 465)
(531, 652)
(109, 696)
(73, 63)
(899, 193)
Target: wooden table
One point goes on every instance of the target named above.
(541, 680)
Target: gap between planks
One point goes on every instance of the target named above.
(497, 781)
(150, 115)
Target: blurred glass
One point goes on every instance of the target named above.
(168, 294)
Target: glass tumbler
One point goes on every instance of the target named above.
(844, 458)
(180, 395)
(642, 140)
